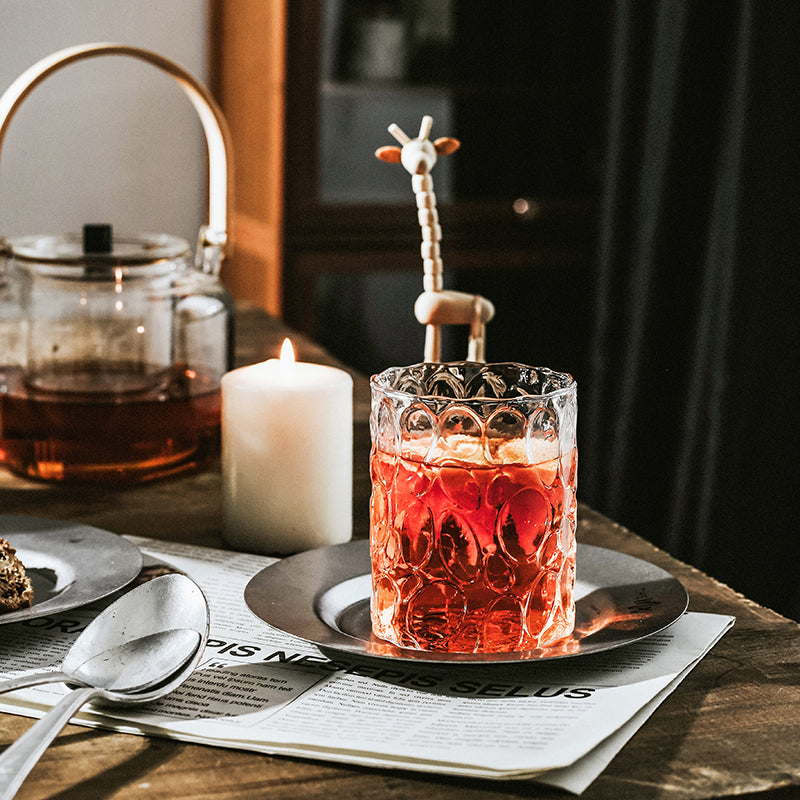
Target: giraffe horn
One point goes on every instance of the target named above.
(425, 127)
(398, 134)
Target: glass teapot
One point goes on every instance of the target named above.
(112, 346)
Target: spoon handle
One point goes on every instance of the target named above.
(19, 759)
(34, 679)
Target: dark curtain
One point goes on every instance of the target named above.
(690, 411)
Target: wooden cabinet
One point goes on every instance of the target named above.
(523, 92)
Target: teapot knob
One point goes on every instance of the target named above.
(98, 238)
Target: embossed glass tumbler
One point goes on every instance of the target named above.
(473, 509)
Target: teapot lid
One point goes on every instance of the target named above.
(97, 245)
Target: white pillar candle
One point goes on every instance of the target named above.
(287, 455)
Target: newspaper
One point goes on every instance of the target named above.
(257, 688)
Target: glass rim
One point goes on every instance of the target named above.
(379, 382)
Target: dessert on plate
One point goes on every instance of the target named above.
(16, 591)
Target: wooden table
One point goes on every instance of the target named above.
(730, 729)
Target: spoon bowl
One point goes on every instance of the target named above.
(139, 664)
(168, 602)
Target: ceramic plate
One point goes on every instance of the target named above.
(323, 596)
(69, 564)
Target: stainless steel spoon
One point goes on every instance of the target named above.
(150, 614)
(130, 667)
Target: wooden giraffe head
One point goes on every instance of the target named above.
(417, 155)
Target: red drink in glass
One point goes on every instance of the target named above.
(472, 534)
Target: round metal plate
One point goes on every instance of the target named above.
(69, 564)
(323, 596)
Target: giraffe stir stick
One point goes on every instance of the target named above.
(435, 306)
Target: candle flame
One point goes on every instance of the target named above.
(287, 352)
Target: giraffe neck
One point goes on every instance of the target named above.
(428, 216)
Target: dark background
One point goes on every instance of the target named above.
(682, 327)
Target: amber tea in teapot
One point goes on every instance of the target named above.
(68, 438)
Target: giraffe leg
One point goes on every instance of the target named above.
(476, 349)
(433, 343)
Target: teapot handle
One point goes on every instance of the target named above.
(213, 236)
